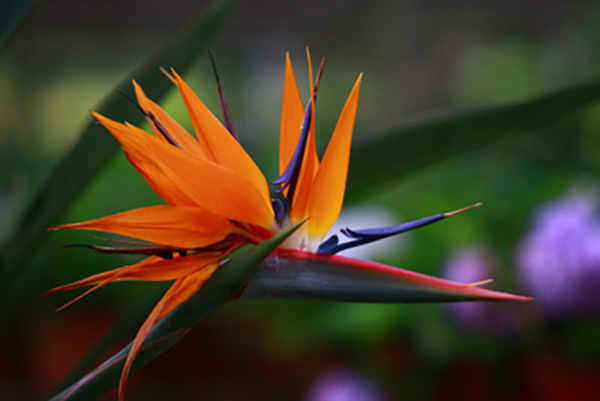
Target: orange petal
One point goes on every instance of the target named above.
(327, 194)
(220, 147)
(310, 165)
(190, 285)
(180, 135)
(156, 178)
(153, 268)
(213, 187)
(96, 279)
(180, 227)
(292, 114)
(152, 172)
(158, 269)
(178, 293)
(210, 186)
(99, 280)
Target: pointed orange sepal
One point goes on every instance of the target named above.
(220, 147)
(153, 268)
(179, 227)
(179, 134)
(292, 114)
(327, 192)
(149, 168)
(208, 185)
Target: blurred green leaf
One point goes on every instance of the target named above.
(13, 14)
(381, 158)
(94, 147)
(225, 284)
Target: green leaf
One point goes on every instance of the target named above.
(226, 283)
(13, 13)
(321, 277)
(95, 147)
(382, 158)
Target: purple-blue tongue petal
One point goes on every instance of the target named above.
(361, 237)
(309, 276)
(292, 171)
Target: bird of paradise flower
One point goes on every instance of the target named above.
(219, 201)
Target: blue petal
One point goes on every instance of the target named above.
(329, 245)
(278, 209)
(292, 171)
(362, 237)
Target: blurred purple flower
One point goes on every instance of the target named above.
(559, 258)
(343, 384)
(471, 265)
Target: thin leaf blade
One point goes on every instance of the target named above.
(380, 158)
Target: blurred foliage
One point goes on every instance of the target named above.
(12, 15)
(417, 57)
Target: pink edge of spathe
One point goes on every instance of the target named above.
(417, 279)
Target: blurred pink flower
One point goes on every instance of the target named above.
(343, 384)
(470, 265)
